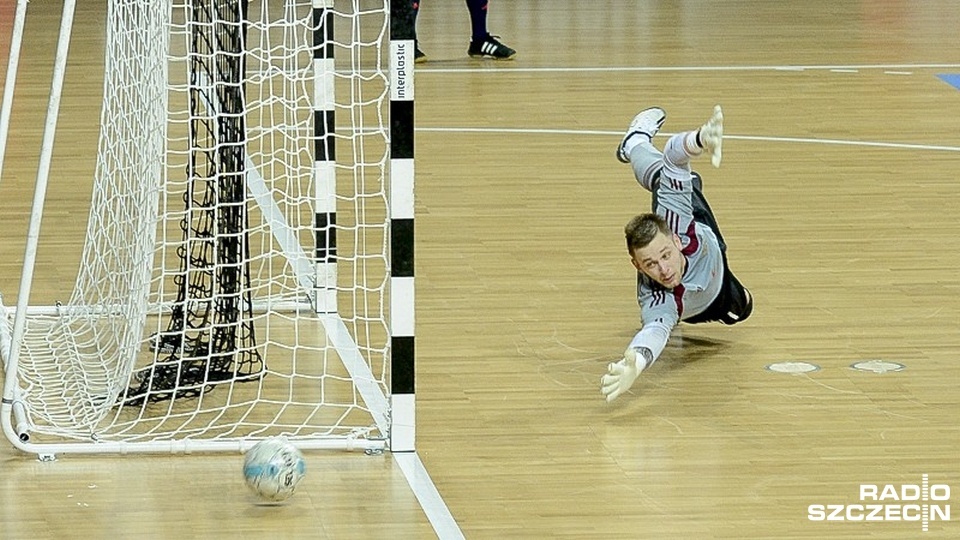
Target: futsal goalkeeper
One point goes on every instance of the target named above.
(678, 251)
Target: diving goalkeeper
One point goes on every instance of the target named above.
(678, 251)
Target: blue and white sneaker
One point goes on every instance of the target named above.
(647, 122)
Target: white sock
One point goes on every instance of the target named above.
(691, 145)
(635, 140)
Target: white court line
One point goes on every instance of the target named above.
(431, 502)
(507, 70)
(804, 140)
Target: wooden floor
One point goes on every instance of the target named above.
(838, 198)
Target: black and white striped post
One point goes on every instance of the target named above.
(402, 391)
(324, 167)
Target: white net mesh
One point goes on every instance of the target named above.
(194, 314)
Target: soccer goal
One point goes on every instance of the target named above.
(248, 263)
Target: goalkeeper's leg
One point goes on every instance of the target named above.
(647, 162)
(681, 147)
(637, 147)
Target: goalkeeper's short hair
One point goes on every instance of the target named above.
(642, 229)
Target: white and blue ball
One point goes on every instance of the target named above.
(273, 468)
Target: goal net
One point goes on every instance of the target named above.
(234, 279)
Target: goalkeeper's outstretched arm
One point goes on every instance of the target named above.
(643, 351)
(620, 375)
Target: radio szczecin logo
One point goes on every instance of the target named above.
(922, 503)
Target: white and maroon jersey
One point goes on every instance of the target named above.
(661, 308)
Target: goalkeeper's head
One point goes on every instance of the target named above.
(655, 249)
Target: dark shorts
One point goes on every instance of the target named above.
(734, 302)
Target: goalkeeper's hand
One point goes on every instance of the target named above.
(620, 375)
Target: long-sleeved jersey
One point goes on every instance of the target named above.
(662, 308)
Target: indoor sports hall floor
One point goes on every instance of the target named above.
(838, 198)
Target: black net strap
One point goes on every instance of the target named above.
(210, 336)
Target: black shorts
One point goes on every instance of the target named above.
(733, 303)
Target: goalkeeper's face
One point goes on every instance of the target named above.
(661, 260)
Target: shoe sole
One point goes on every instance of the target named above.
(483, 56)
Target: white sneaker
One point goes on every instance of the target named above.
(646, 122)
(711, 136)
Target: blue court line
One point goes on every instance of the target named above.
(953, 79)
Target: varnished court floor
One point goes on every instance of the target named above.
(838, 196)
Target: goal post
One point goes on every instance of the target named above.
(247, 269)
(402, 57)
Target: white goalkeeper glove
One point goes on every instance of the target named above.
(711, 136)
(620, 375)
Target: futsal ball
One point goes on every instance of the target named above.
(273, 468)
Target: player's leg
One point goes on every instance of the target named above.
(637, 149)
(678, 152)
(680, 148)
(649, 163)
(478, 19)
(674, 164)
(482, 44)
(418, 55)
